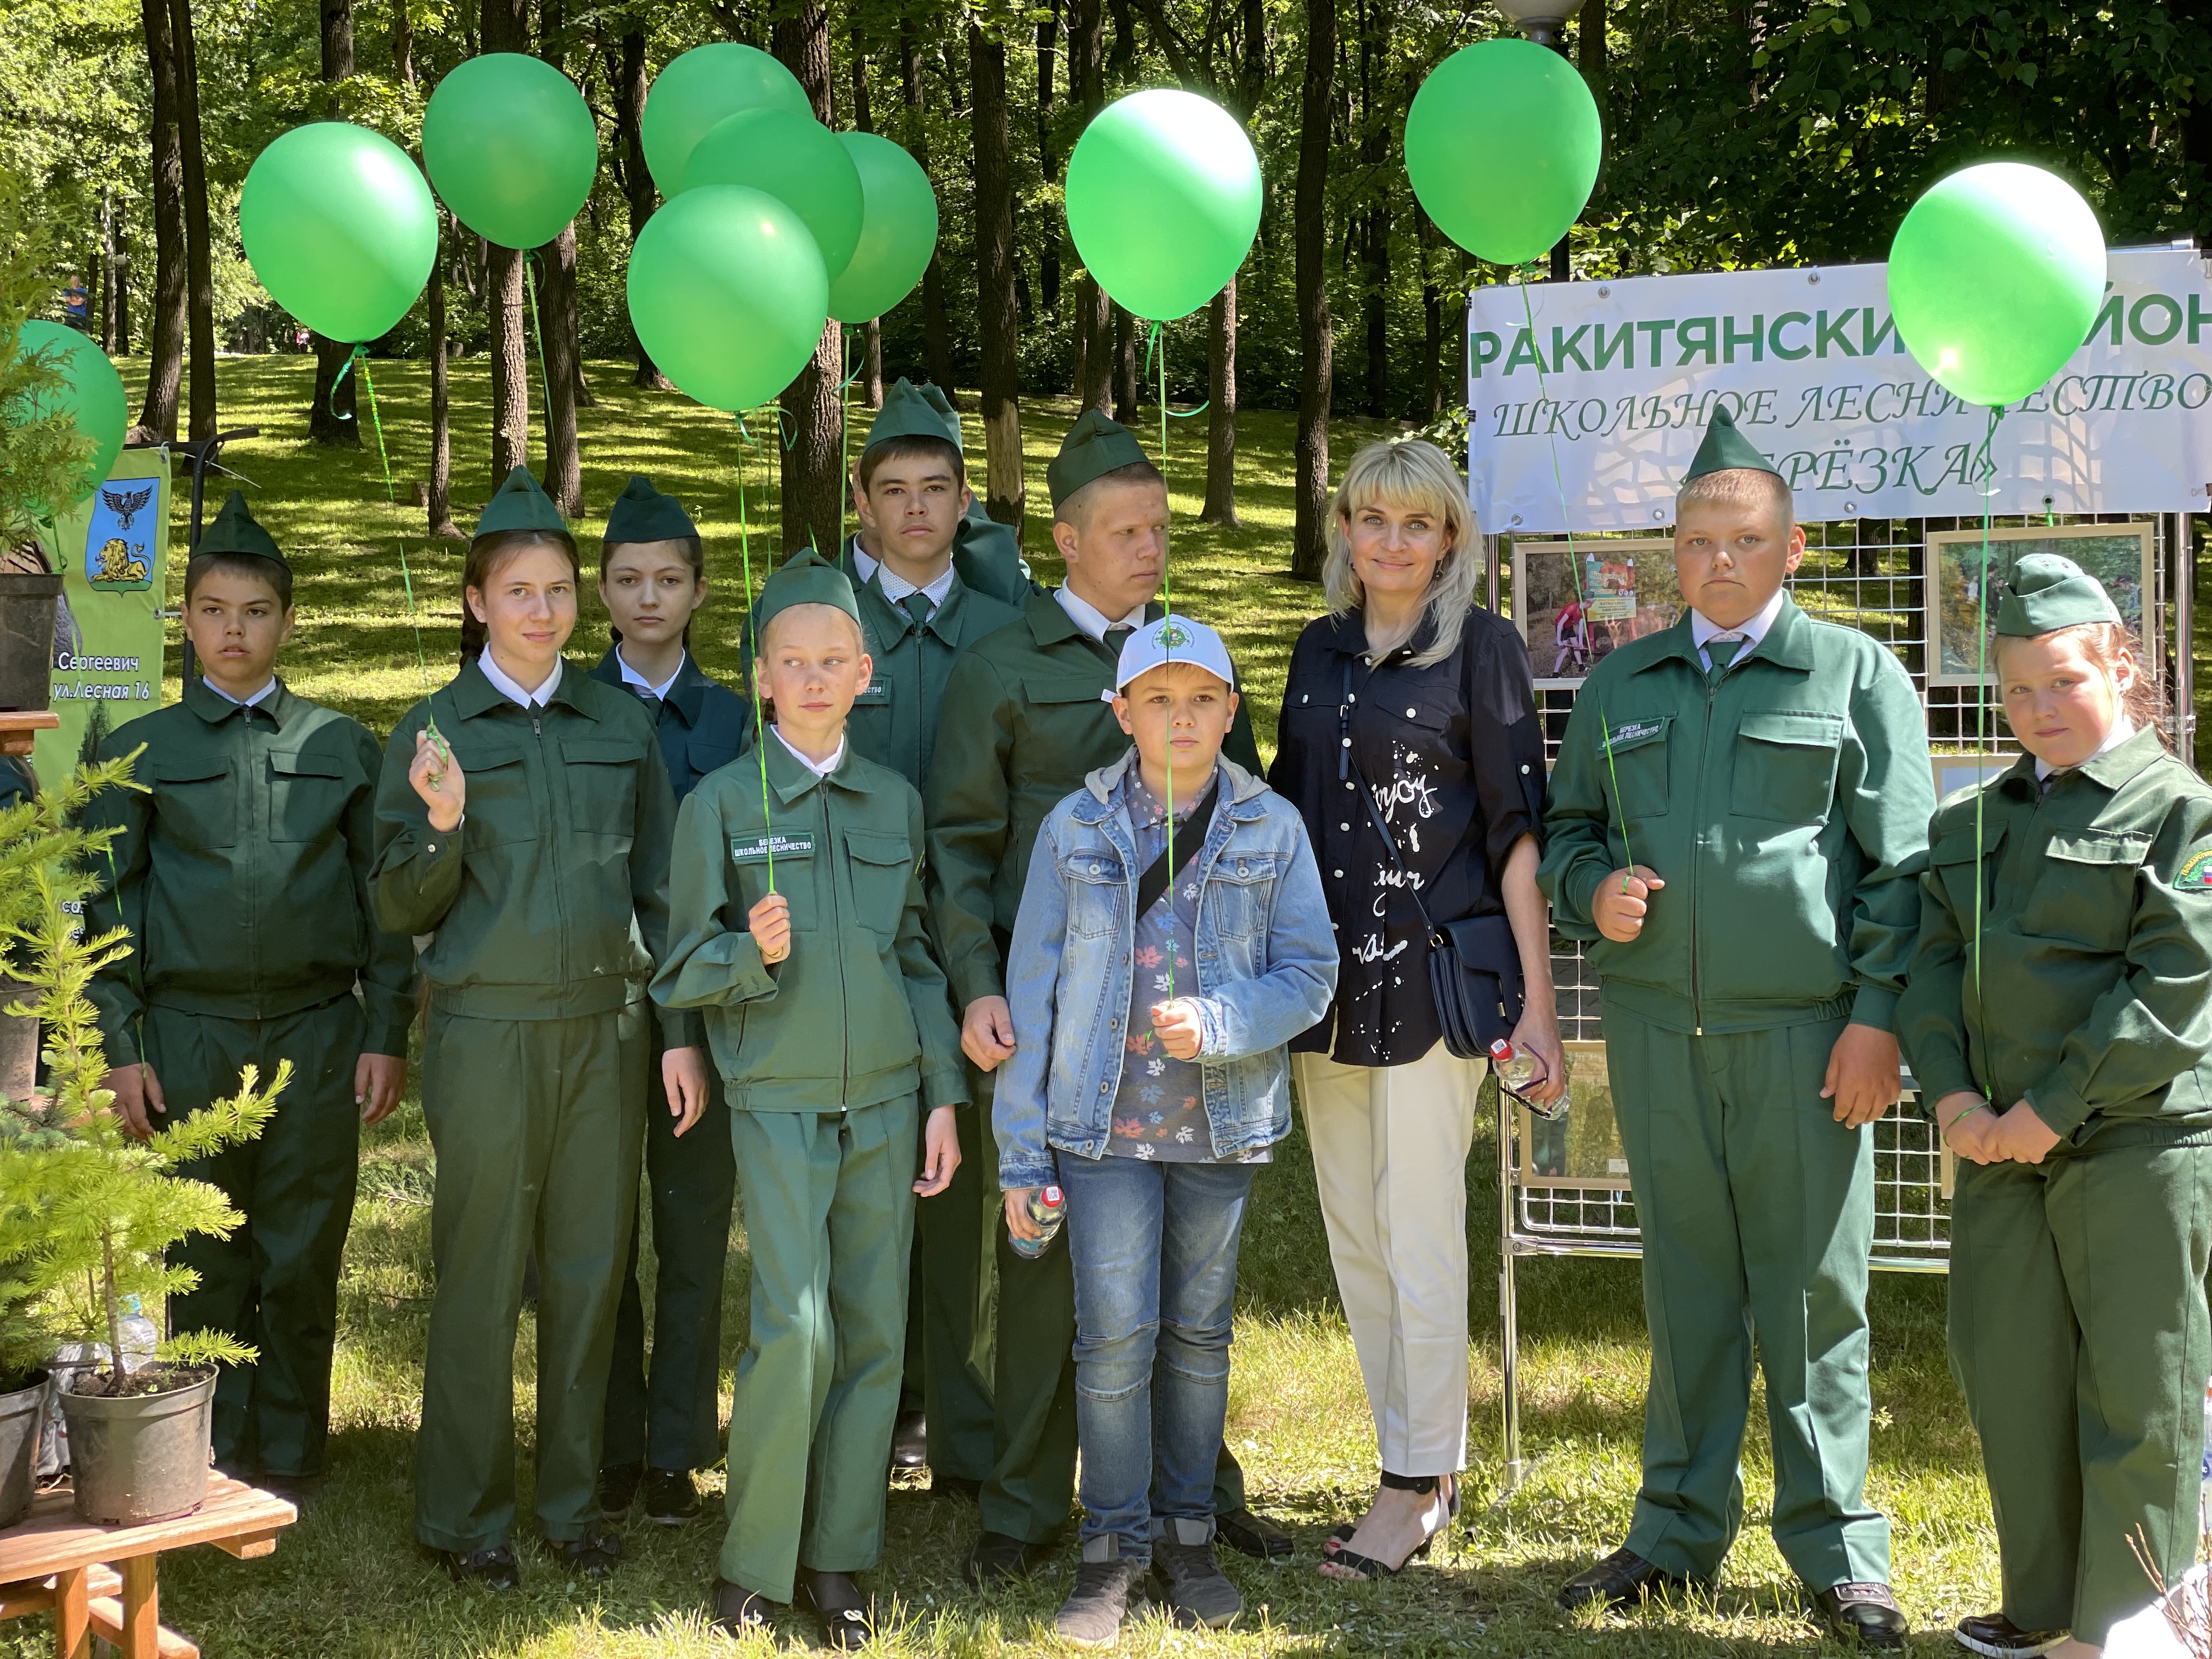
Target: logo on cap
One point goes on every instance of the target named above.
(1171, 635)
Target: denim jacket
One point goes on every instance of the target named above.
(1265, 970)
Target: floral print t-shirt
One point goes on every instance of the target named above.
(1159, 1111)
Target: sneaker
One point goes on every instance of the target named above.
(618, 1484)
(1104, 1583)
(1191, 1581)
(1995, 1636)
(672, 1497)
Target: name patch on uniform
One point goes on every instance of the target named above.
(758, 849)
(1636, 731)
(2195, 875)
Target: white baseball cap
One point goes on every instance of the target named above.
(1172, 639)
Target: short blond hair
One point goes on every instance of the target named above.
(1740, 486)
(1408, 472)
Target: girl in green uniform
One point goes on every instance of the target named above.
(524, 819)
(2057, 1017)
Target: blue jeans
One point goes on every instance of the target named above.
(1153, 1248)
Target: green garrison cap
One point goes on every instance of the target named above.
(235, 531)
(643, 513)
(804, 578)
(2049, 590)
(1726, 448)
(1094, 446)
(521, 505)
(914, 411)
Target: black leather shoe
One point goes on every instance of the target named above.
(910, 1440)
(494, 1568)
(955, 1485)
(1621, 1579)
(847, 1622)
(999, 1558)
(1252, 1535)
(1867, 1613)
(740, 1612)
(672, 1498)
(592, 1556)
(1995, 1637)
(618, 1484)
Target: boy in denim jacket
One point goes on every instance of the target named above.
(1149, 1075)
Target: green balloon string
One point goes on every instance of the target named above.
(752, 648)
(1154, 352)
(359, 357)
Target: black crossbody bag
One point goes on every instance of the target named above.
(1157, 877)
(1475, 965)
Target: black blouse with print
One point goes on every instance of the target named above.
(1454, 755)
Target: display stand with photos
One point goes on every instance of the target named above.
(1563, 1189)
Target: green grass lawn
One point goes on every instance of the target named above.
(350, 1584)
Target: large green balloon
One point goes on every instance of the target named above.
(727, 293)
(706, 85)
(1994, 279)
(1163, 201)
(898, 231)
(511, 145)
(93, 395)
(1502, 145)
(340, 228)
(795, 158)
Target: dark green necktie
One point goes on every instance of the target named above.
(1723, 653)
(652, 703)
(1117, 637)
(916, 604)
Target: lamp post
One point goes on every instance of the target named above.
(1543, 22)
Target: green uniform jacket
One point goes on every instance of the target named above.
(820, 1031)
(1022, 724)
(559, 869)
(1785, 805)
(894, 722)
(702, 724)
(2096, 952)
(243, 871)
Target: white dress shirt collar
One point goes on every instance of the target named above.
(514, 693)
(1090, 618)
(253, 702)
(1703, 630)
(631, 678)
(820, 769)
(895, 587)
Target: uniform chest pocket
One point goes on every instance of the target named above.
(2084, 894)
(1956, 869)
(1634, 754)
(196, 803)
(1094, 881)
(1786, 765)
(705, 758)
(1242, 890)
(882, 867)
(603, 783)
(306, 796)
(498, 806)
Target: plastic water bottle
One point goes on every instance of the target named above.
(1517, 1069)
(1047, 1208)
(140, 1339)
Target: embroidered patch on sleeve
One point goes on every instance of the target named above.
(2195, 875)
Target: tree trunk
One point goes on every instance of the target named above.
(1047, 34)
(996, 315)
(629, 83)
(564, 476)
(330, 421)
(813, 404)
(1221, 411)
(936, 328)
(1432, 318)
(506, 303)
(1374, 156)
(403, 42)
(1310, 544)
(442, 527)
(1092, 325)
(199, 276)
(863, 121)
(166, 347)
(109, 263)
(1129, 395)
(872, 361)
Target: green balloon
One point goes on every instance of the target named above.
(340, 228)
(1502, 146)
(1163, 201)
(795, 158)
(94, 396)
(1994, 279)
(898, 230)
(704, 86)
(511, 146)
(727, 293)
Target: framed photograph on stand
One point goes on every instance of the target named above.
(1955, 772)
(1627, 589)
(2116, 554)
(1583, 1148)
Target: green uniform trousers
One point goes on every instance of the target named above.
(1032, 1480)
(673, 1420)
(2078, 1336)
(1757, 1211)
(829, 1200)
(537, 1126)
(274, 1282)
(952, 1322)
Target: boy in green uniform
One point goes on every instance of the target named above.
(930, 581)
(652, 580)
(798, 881)
(1024, 722)
(1767, 776)
(242, 873)
(2056, 1017)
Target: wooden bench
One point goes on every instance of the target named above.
(100, 1580)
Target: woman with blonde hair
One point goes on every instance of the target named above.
(1410, 743)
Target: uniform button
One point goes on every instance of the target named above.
(1524, 771)
(1344, 826)
(1339, 874)
(1410, 713)
(1347, 783)
(1347, 743)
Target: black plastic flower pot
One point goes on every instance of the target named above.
(136, 1458)
(20, 1414)
(27, 609)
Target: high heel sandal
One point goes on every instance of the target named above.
(1367, 1568)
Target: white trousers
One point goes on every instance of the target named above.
(1390, 1145)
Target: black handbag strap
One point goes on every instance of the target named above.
(1347, 765)
(1157, 877)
